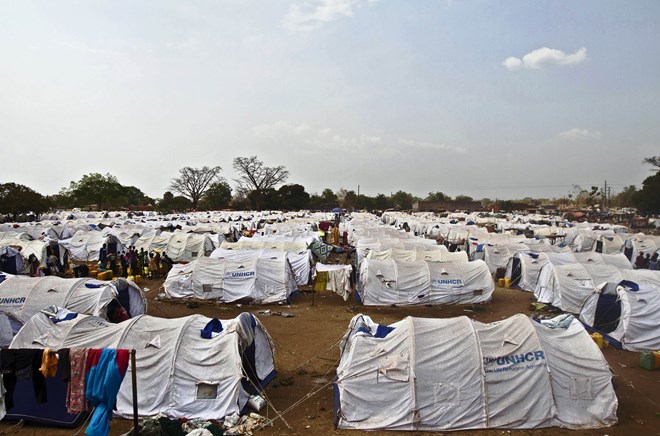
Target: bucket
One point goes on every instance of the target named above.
(500, 283)
(507, 282)
(256, 402)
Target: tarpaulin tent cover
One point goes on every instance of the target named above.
(179, 373)
(261, 280)
(385, 282)
(638, 309)
(297, 253)
(26, 296)
(455, 374)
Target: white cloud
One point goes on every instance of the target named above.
(430, 145)
(576, 134)
(313, 14)
(314, 138)
(544, 56)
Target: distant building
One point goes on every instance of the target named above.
(446, 206)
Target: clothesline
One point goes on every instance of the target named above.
(93, 377)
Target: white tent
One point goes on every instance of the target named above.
(618, 260)
(566, 287)
(439, 254)
(179, 373)
(498, 256)
(456, 374)
(179, 246)
(258, 279)
(385, 282)
(297, 253)
(628, 312)
(26, 296)
(85, 246)
(523, 269)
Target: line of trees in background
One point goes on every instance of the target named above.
(257, 188)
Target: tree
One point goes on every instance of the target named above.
(254, 176)
(264, 199)
(135, 197)
(438, 196)
(194, 182)
(104, 191)
(351, 200)
(625, 198)
(217, 196)
(402, 200)
(382, 202)
(326, 201)
(463, 198)
(293, 197)
(170, 203)
(15, 199)
(653, 161)
(647, 200)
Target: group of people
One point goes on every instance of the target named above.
(134, 262)
(647, 262)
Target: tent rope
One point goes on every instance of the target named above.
(84, 424)
(309, 395)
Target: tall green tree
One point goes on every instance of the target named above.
(326, 201)
(402, 200)
(647, 200)
(463, 198)
(104, 191)
(218, 196)
(293, 197)
(171, 203)
(16, 199)
(438, 196)
(625, 198)
(382, 202)
(194, 182)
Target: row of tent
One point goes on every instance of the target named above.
(417, 374)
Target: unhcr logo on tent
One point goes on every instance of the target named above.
(506, 363)
(514, 358)
(441, 282)
(12, 300)
(239, 274)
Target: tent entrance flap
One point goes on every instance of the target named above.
(608, 313)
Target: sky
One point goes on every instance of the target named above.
(491, 99)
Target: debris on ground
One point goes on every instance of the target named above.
(282, 314)
(246, 425)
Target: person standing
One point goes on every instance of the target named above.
(103, 254)
(124, 264)
(639, 260)
(654, 264)
(153, 269)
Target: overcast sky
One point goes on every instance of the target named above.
(498, 99)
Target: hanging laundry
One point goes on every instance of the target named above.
(75, 396)
(102, 386)
(48, 363)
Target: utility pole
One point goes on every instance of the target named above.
(605, 194)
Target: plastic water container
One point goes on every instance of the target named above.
(256, 402)
(598, 339)
(649, 359)
(507, 282)
(500, 283)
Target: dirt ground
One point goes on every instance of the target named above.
(306, 357)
